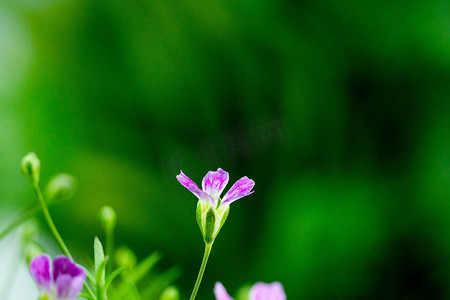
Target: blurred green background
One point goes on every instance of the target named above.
(339, 110)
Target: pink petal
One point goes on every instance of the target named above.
(40, 269)
(69, 287)
(243, 187)
(220, 292)
(264, 291)
(68, 277)
(214, 182)
(193, 188)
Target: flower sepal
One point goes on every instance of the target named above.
(212, 210)
(210, 220)
(45, 297)
(210, 225)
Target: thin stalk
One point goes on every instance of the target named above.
(109, 246)
(55, 232)
(208, 248)
(50, 223)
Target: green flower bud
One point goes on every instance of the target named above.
(124, 257)
(107, 217)
(60, 188)
(31, 167)
(30, 231)
(170, 293)
(31, 250)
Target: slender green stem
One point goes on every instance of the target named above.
(55, 232)
(24, 215)
(109, 247)
(50, 223)
(202, 270)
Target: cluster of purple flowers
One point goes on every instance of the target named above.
(62, 279)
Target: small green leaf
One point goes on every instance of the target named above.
(100, 275)
(89, 276)
(144, 267)
(86, 296)
(99, 260)
(113, 275)
(159, 283)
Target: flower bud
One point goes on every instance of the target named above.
(31, 167)
(124, 257)
(31, 249)
(107, 217)
(170, 293)
(30, 231)
(60, 188)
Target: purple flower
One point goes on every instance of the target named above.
(264, 291)
(212, 211)
(220, 292)
(213, 185)
(62, 280)
(259, 291)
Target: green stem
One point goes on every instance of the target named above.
(55, 232)
(50, 223)
(202, 270)
(109, 247)
(24, 215)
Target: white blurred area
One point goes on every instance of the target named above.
(15, 280)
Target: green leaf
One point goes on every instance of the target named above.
(113, 275)
(89, 276)
(100, 275)
(86, 296)
(160, 282)
(144, 267)
(99, 260)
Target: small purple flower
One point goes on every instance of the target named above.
(62, 280)
(212, 211)
(213, 185)
(259, 291)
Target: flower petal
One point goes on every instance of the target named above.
(214, 182)
(68, 277)
(243, 187)
(264, 291)
(220, 292)
(69, 287)
(40, 269)
(193, 188)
